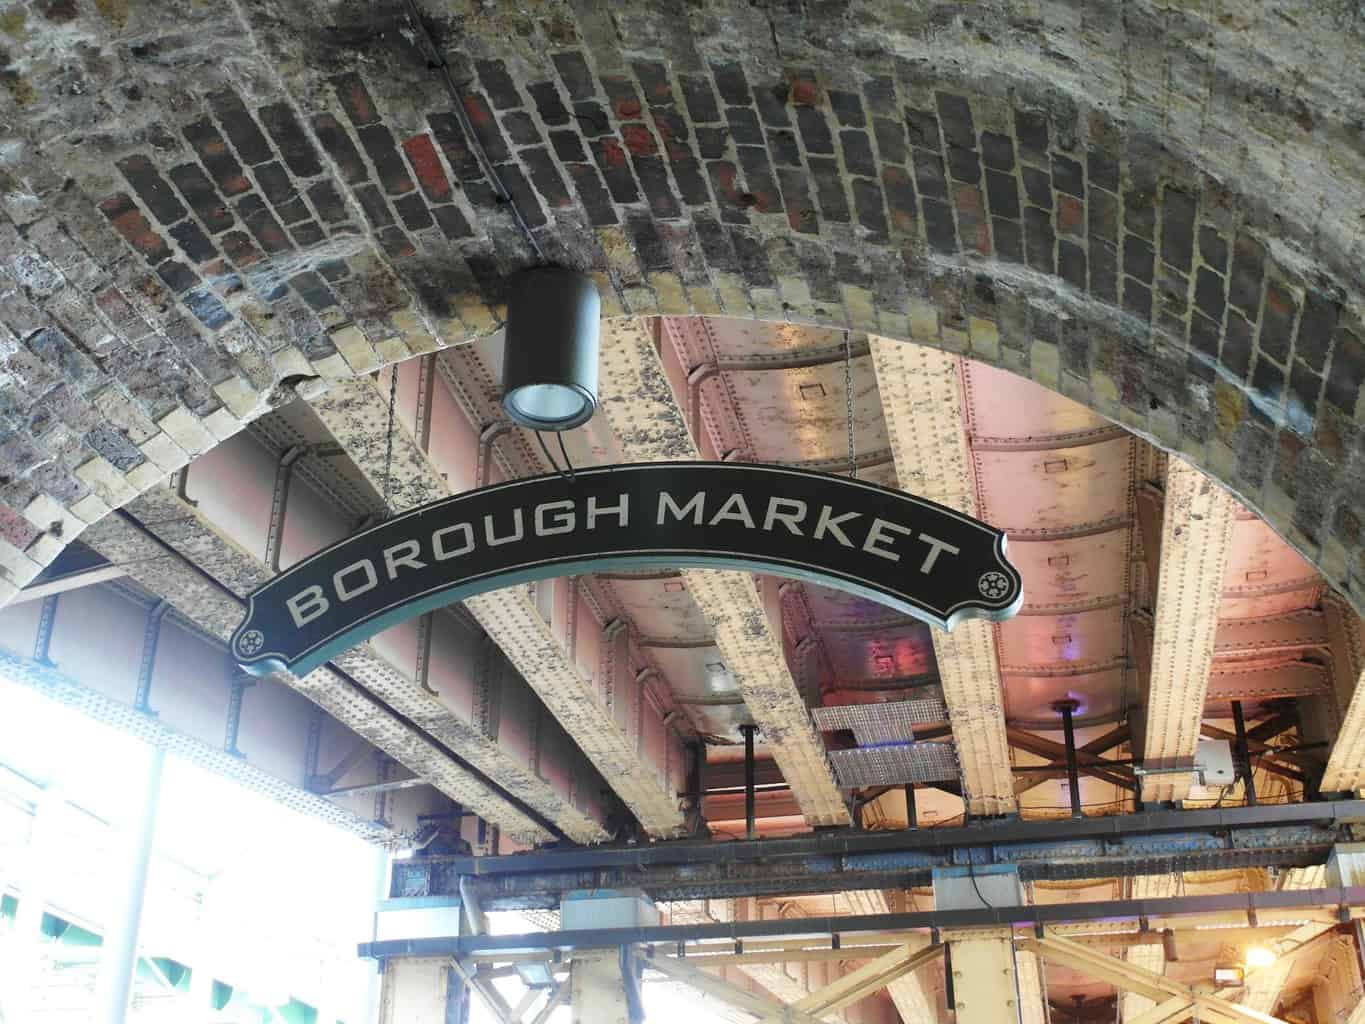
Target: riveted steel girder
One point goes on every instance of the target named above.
(922, 396)
(356, 414)
(638, 403)
(1196, 538)
(151, 556)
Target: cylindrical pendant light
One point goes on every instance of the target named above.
(549, 367)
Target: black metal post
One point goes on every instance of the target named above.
(911, 812)
(748, 731)
(1243, 755)
(1073, 779)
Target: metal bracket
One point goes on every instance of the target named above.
(279, 504)
(240, 683)
(47, 620)
(151, 639)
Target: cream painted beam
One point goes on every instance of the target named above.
(1345, 770)
(913, 1002)
(639, 406)
(171, 577)
(1150, 957)
(1196, 538)
(921, 394)
(356, 414)
(1263, 988)
(1129, 978)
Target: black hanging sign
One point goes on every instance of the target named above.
(902, 551)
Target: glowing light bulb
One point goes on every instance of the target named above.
(1259, 957)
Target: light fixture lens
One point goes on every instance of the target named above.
(1259, 957)
(548, 406)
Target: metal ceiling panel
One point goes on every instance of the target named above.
(1293, 679)
(800, 415)
(745, 340)
(1029, 699)
(888, 722)
(901, 651)
(704, 689)
(659, 605)
(1260, 562)
(1248, 603)
(1070, 640)
(1043, 492)
(895, 764)
(1002, 406)
(1073, 573)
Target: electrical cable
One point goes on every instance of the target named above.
(568, 466)
(436, 61)
(548, 457)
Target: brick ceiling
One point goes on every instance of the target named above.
(1154, 209)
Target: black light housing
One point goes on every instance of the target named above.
(549, 367)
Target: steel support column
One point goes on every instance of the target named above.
(984, 980)
(749, 830)
(25, 956)
(922, 395)
(118, 954)
(423, 990)
(1073, 779)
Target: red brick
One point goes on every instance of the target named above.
(427, 166)
(134, 227)
(638, 139)
(1070, 215)
(805, 90)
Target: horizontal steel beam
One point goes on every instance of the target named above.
(1295, 835)
(1033, 915)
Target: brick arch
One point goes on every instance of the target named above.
(190, 243)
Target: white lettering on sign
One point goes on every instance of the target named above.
(621, 511)
(778, 515)
(438, 542)
(563, 521)
(735, 509)
(695, 508)
(490, 535)
(880, 534)
(829, 523)
(936, 546)
(392, 559)
(346, 591)
(307, 605)
(791, 519)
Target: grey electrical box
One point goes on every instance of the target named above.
(1213, 761)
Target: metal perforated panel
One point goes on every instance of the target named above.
(889, 722)
(895, 764)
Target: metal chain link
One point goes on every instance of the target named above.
(388, 442)
(848, 403)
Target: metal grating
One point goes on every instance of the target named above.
(895, 764)
(891, 722)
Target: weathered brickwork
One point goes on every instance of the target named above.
(209, 210)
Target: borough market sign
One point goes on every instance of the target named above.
(902, 551)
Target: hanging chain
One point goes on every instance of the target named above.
(848, 403)
(388, 442)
